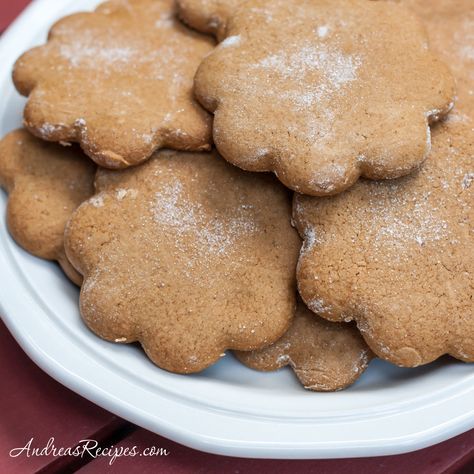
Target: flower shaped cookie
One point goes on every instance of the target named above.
(46, 183)
(398, 257)
(188, 255)
(323, 92)
(118, 81)
(325, 356)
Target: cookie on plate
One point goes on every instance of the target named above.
(312, 91)
(118, 81)
(45, 183)
(398, 257)
(187, 255)
(325, 356)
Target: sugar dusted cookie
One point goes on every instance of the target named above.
(313, 91)
(46, 183)
(398, 257)
(325, 356)
(118, 81)
(187, 255)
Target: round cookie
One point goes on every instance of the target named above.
(325, 356)
(187, 255)
(46, 183)
(312, 91)
(398, 257)
(118, 81)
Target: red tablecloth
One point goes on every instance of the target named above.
(9, 9)
(33, 406)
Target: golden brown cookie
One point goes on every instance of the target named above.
(207, 16)
(325, 356)
(46, 183)
(398, 257)
(187, 255)
(118, 81)
(450, 26)
(313, 91)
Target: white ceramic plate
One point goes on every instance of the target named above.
(228, 409)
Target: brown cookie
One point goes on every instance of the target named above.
(118, 81)
(450, 26)
(46, 183)
(325, 356)
(312, 91)
(398, 257)
(207, 16)
(187, 255)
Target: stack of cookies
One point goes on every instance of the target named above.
(291, 180)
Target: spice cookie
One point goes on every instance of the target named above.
(318, 98)
(46, 183)
(118, 81)
(325, 356)
(398, 257)
(187, 255)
